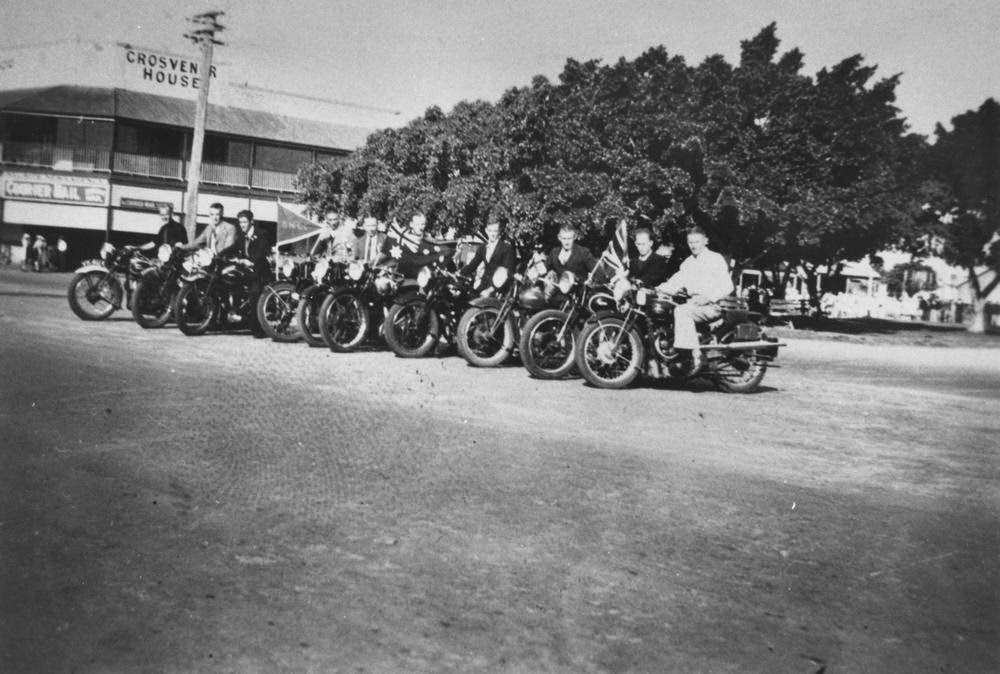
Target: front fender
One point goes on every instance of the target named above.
(193, 277)
(486, 302)
(87, 268)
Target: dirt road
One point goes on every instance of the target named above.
(229, 504)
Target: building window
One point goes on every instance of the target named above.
(64, 143)
(330, 157)
(225, 151)
(281, 159)
(149, 140)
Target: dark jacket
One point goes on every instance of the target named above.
(581, 261)
(651, 272)
(504, 255)
(255, 246)
(172, 232)
(362, 242)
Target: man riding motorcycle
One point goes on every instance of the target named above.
(493, 255)
(221, 237)
(410, 248)
(705, 277)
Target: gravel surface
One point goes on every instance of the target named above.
(173, 504)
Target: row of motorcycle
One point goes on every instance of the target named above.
(611, 334)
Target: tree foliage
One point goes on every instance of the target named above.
(776, 165)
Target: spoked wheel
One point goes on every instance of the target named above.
(94, 295)
(739, 371)
(276, 312)
(307, 315)
(481, 341)
(152, 302)
(196, 310)
(343, 321)
(608, 356)
(545, 353)
(411, 329)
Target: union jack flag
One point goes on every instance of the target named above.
(404, 236)
(616, 254)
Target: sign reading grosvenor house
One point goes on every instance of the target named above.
(55, 188)
(164, 69)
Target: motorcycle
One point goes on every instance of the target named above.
(217, 294)
(617, 347)
(489, 330)
(549, 337)
(99, 286)
(153, 301)
(327, 276)
(355, 310)
(279, 301)
(425, 310)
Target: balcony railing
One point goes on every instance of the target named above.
(59, 157)
(149, 165)
(223, 174)
(273, 180)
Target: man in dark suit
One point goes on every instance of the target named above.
(171, 231)
(568, 256)
(494, 254)
(647, 267)
(368, 246)
(255, 246)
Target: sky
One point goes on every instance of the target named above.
(406, 55)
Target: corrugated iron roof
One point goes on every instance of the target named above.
(125, 104)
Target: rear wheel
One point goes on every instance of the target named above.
(152, 301)
(481, 341)
(608, 356)
(307, 314)
(344, 320)
(196, 310)
(276, 312)
(544, 353)
(739, 371)
(411, 329)
(94, 295)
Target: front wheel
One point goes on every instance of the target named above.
(608, 356)
(152, 302)
(481, 341)
(196, 310)
(276, 312)
(94, 295)
(411, 329)
(739, 371)
(546, 353)
(344, 320)
(307, 314)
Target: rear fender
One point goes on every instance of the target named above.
(87, 268)
(486, 302)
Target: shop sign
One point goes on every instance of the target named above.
(143, 204)
(55, 188)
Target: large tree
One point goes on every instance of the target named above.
(778, 166)
(964, 164)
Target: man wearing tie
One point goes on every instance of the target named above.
(568, 256)
(368, 246)
(494, 254)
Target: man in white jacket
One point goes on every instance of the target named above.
(705, 276)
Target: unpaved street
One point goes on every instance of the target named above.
(173, 504)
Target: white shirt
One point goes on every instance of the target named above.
(706, 275)
(490, 247)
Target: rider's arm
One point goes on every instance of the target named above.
(199, 241)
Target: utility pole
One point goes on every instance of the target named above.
(204, 26)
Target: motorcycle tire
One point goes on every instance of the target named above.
(277, 312)
(406, 339)
(196, 311)
(344, 321)
(307, 315)
(739, 371)
(150, 307)
(541, 355)
(603, 367)
(477, 347)
(94, 295)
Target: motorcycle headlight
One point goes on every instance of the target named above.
(320, 271)
(385, 285)
(287, 267)
(355, 270)
(640, 296)
(203, 257)
(424, 277)
(188, 265)
(620, 289)
(566, 282)
(163, 253)
(500, 277)
(107, 250)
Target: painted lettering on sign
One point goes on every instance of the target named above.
(54, 188)
(143, 204)
(174, 71)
